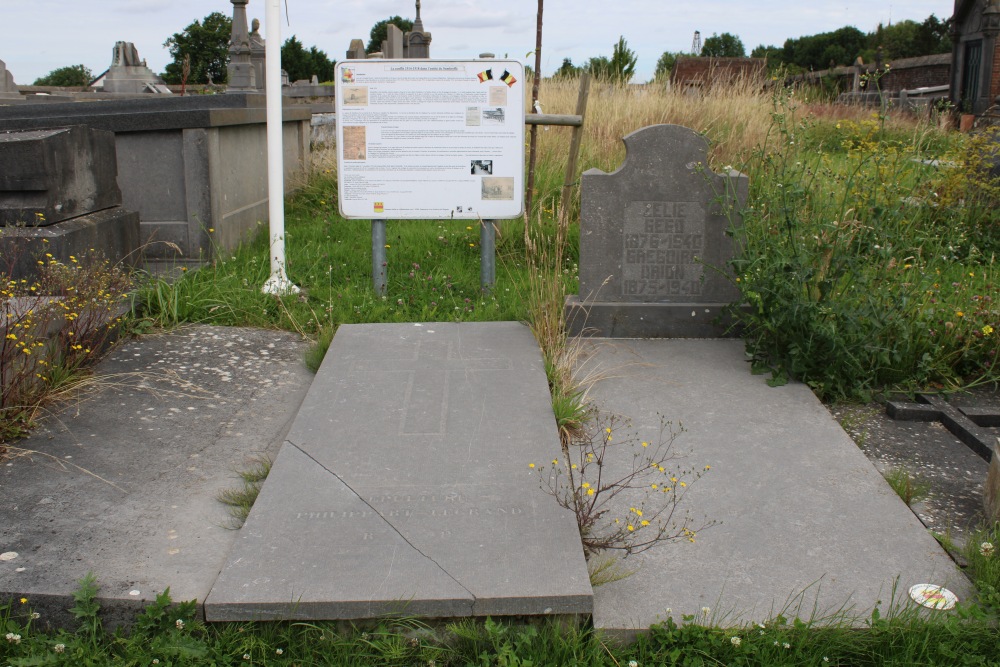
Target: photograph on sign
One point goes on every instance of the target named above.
(430, 139)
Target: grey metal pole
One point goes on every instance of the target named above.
(487, 254)
(379, 268)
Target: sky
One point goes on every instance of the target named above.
(42, 35)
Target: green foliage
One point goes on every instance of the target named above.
(982, 552)
(665, 64)
(623, 60)
(240, 500)
(379, 32)
(858, 277)
(567, 70)
(725, 45)
(907, 486)
(207, 43)
(302, 64)
(617, 69)
(85, 608)
(57, 326)
(73, 75)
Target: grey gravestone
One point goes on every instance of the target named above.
(654, 241)
(392, 47)
(7, 86)
(47, 176)
(242, 75)
(404, 486)
(128, 74)
(357, 50)
(417, 42)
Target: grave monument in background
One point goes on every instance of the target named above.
(655, 241)
(241, 71)
(7, 86)
(129, 74)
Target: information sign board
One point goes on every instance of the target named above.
(430, 139)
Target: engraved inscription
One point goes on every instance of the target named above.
(663, 243)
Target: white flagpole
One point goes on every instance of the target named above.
(278, 283)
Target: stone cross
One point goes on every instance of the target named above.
(965, 423)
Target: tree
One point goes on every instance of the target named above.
(302, 64)
(73, 75)
(623, 60)
(599, 67)
(567, 70)
(725, 45)
(814, 52)
(380, 31)
(207, 42)
(665, 65)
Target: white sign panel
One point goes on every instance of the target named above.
(430, 139)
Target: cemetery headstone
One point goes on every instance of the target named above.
(242, 76)
(59, 194)
(129, 74)
(392, 47)
(7, 86)
(417, 42)
(655, 241)
(357, 50)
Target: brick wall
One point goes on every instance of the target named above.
(692, 71)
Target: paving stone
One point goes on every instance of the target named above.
(404, 487)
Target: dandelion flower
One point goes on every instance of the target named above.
(531, 465)
(590, 492)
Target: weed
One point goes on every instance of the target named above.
(588, 480)
(909, 487)
(240, 500)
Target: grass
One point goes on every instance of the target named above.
(241, 499)
(909, 487)
(170, 634)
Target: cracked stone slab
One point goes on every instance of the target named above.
(404, 487)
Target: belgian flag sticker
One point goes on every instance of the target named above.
(485, 75)
(379, 207)
(508, 78)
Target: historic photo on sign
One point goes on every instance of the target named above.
(354, 143)
(498, 188)
(356, 96)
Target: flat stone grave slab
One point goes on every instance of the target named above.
(404, 487)
(808, 525)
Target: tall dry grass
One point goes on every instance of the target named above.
(736, 118)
